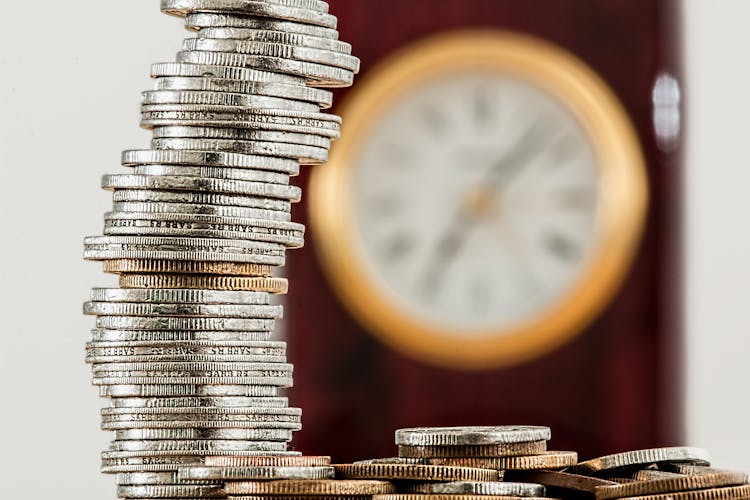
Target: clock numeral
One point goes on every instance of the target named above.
(435, 121)
(561, 246)
(397, 247)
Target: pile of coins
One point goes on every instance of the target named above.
(184, 347)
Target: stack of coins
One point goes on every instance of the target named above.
(183, 348)
(678, 473)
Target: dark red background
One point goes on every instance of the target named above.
(615, 387)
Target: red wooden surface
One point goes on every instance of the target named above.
(615, 386)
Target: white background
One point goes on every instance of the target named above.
(71, 73)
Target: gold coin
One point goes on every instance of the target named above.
(317, 487)
(268, 461)
(411, 472)
(559, 480)
(732, 493)
(657, 482)
(269, 285)
(474, 451)
(546, 460)
(120, 266)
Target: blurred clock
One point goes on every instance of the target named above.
(484, 201)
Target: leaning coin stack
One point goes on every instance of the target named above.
(183, 348)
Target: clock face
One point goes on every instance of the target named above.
(475, 201)
(484, 202)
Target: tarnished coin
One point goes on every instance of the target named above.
(269, 461)
(255, 473)
(199, 434)
(559, 480)
(274, 10)
(311, 488)
(695, 456)
(546, 460)
(650, 482)
(269, 285)
(170, 491)
(414, 472)
(471, 436)
(474, 451)
(209, 158)
(493, 488)
(199, 21)
(125, 390)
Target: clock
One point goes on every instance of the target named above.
(484, 202)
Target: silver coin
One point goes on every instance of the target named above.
(204, 98)
(685, 454)
(186, 358)
(271, 49)
(244, 421)
(241, 135)
(192, 249)
(209, 158)
(174, 296)
(187, 390)
(467, 436)
(255, 369)
(202, 20)
(254, 473)
(207, 199)
(250, 8)
(128, 350)
(189, 208)
(177, 336)
(238, 174)
(182, 324)
(282, 37)
(323, 98)
(171, 491)
(192, 310)
(224, 72)
(284, 435)
(144, 478)
(117, 464)
(196, 445)
(217, 379)
(307, 155)
(185, 183)
(317, 74)
(200, 402)
(497, 488)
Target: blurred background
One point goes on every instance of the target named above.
(625, 326)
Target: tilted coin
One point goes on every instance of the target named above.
(158, 336)
(198, 434)
(240, 135)
(321, 75)
(471, 436)
(474, 451)
(274, 49)
(190, 310)
(493, 488)
(323, 98)
(269, 461)
(175, 182)
(208, 158)
(195, 445)
(307, 155)
(479, 462)
(656, 482)
(208, 98)
(255, 473)
(242, 201)
(270, 285)
(282, 37)
(695, 456)
(201, 20)
(190, 249)
(173, 296)
(187, 390)
(250, 8)
(215, 210)
(237, 174)
(559, 480)
(176, 69)
(414, 472)
(311, 487)
(181, 323)
(546, 460)
(170, 491)
(200, 402)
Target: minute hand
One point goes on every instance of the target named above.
(513, 163)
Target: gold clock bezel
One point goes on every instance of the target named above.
(622, 198)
